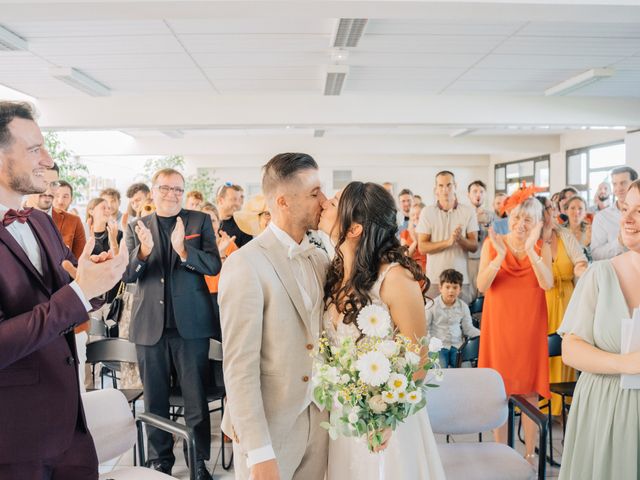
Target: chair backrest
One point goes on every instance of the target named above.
(468, 400)
(471, 350)
(110, 422)
(111, 350)
(554, 342)
(476, 305)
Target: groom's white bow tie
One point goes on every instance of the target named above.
(300, 250)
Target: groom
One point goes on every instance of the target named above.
(271, 304)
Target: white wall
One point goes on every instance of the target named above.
(417, 174)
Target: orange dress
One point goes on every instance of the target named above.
(213, 280)
(513, 334)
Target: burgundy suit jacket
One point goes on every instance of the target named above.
(39, 391)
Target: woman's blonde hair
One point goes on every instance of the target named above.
(531, 207)
(93, 203)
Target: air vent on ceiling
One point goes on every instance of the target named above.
(349, 32)
(334, 82)
(318, 133)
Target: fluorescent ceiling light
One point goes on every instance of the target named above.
(173, 133)
(579, 81)
(461, 132)
(334, 82)
(348, 32)
(80, 81)
(11, 41)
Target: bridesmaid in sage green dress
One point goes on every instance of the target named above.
(603, 431)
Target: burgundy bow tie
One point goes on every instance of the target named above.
(12, 215)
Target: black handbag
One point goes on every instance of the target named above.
(112, 319)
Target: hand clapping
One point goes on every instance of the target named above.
(533, 237)
(177, 239)
(497, 242)
(146, 240)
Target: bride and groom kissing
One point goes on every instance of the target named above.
(279, 292)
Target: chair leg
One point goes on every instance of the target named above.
(225, 465)
(133, 411)
(480, 437)
(564, 417)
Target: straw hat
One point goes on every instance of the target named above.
(248, 219)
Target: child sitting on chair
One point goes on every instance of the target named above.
(448, 318)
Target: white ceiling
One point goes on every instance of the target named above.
(449, 49)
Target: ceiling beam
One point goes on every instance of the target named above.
(183, 112)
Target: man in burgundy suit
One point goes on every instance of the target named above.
(43, 433)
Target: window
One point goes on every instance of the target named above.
(588, 167)
(509, 176)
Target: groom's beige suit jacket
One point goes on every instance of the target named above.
(268, 336)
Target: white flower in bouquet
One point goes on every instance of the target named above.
(389, 348)
(397, 382)
(374, 321)
(402, 396)
(399, 363)
(377, 404)
(344, 378)
(435, 345)
(374, 368)
(353, 416)
(412, 358)
(414, 397)
(390, 396)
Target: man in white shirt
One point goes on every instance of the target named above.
(448, 231)
(39, 307)
(405, 200)
(605, 232)
(476, 192)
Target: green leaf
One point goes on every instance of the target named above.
(325, 425)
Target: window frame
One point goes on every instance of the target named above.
(529, 179)
(583, 189)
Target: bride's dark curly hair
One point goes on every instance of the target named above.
(370, 205)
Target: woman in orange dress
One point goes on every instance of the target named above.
(515, 270)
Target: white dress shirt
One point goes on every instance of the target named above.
(311, 295)
(25, 237)
(604, 234)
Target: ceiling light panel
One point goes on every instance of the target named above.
(10, 41)
(76, 79)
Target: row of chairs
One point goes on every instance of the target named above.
(111, 353)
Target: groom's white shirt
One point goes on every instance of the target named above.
(302, 267)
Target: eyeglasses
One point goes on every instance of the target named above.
(165, 189)
(55, 184)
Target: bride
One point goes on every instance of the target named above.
(371, 267)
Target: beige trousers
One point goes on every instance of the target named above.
(302, 455)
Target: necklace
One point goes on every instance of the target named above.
(515, 250)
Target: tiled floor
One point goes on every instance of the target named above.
(180, 470)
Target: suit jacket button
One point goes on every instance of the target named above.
(309, 346)
(70, 360)
(305, 378)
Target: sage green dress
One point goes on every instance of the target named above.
(603, 431)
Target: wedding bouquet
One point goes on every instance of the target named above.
(367, 385)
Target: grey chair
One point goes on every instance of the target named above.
(114, 431)
(472, 400)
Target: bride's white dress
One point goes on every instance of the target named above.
(412, 453)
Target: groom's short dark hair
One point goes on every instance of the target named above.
(284, 167)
